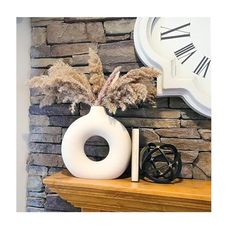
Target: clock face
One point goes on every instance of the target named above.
(180, 48)
(186, 40)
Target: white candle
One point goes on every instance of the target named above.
(135, 156)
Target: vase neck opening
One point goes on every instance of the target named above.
(97, 110)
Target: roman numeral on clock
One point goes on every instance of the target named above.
(203, 66)
(174, 33)
(185, 52)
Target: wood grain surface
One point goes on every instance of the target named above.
(123, 195)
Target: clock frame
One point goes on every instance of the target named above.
(191, 87)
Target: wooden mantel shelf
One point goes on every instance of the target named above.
(124, 195)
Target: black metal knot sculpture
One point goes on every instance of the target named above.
(160, 163)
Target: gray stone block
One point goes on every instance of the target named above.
(36, 99)
(34, 183)
(64, 131)
(95, 32)
(38, 36)
(35, 202)
(117, 38)
(50, 160)
(37, 72)
(44, 22)
(40, 51)
(47, 62)
(35, 91)
(80, 60)
(45, 148)
(53, 170)
(67, 33)
(87, 19)
(125, 67)
(39, 120)
(37, 194)
(72, 49)
(37, 170)
(121, 26)
(117, 52)
(45, 130)
(34, 209)
(45, 138)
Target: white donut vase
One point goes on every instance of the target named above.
(96, 123)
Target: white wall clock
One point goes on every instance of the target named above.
(180, 49)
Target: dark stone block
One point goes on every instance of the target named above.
(55, 203)
(53, 110)
(190, 114)
(96, 151)
(62, 121)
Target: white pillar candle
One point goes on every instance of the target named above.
(135, 156)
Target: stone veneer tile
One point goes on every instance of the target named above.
(50, 160)
(121, 26)
(35, 202)
(44, 148)
(117, 52)
(179, 133)
(188, 144)
(205, 134)
(204, 162)
(37, 170)
(39, 120)
(66, 33)
(52, 110)
(41, 51)
(64, 50)
(150, 123)
(38, 36)
(196, 123)
(46, 130)
(55, 203)
(34, 183)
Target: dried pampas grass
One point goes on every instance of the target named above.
(65, 84)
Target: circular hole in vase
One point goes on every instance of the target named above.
(96, 148)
